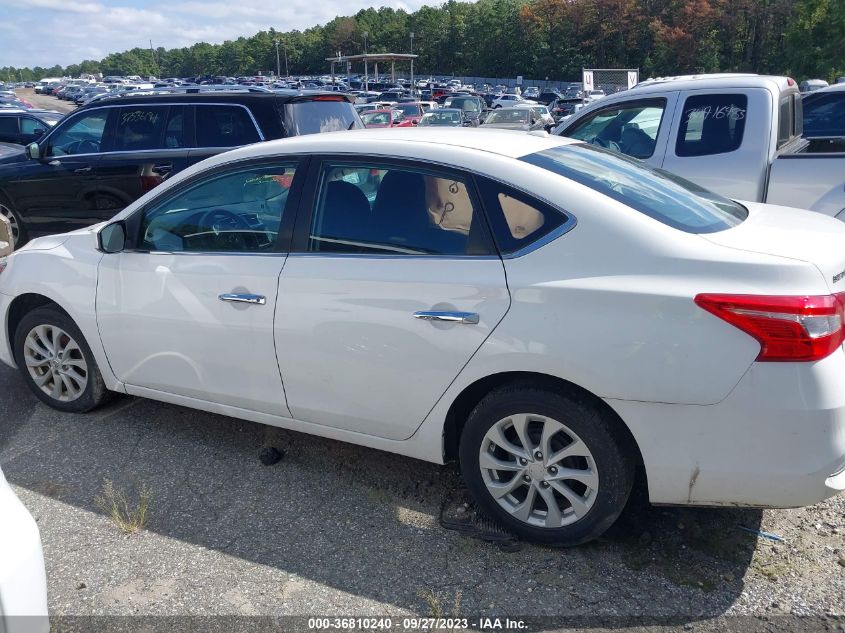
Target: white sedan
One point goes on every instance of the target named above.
(23, 581)
(557, 318)
(509, 101)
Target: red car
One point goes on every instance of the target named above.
(385, 118)
(413, 111)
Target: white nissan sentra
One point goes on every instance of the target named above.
(555, 317)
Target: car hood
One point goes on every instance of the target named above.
(794, 233)
(11, 153)
(507, 126)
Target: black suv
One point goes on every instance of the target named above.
(107, 154)
(25, 126)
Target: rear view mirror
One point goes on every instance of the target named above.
(6, 241)
(112, 237)
(33, 151)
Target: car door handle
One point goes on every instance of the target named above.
(469, 318)
(258, 300)
(82, 170)
(163, 169)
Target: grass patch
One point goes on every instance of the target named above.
(115, 504)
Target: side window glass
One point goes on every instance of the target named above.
(711, 124)
(224, 126)
(517, 219)
(8, 125)
(80, 136)
(233, 212)
(175, 128)
(28, 126)
(631, 128)
(382, 209)
(139, 128)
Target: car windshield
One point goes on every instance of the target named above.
(313, 117)
(408, 109)
(658, 194)
(824, 115)
(519, 115)
(376, 118)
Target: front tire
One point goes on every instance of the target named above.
(19, 237)
(547, 466)
(56, 362)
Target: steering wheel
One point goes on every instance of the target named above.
(87, 146)
(611, 145)
(230, 231)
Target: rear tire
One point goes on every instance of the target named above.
(571, 483)
(56, 362)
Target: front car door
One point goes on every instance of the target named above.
(57, 192)
(392, 286)
(189, 311)
(150, 142)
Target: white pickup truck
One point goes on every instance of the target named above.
(737, 135)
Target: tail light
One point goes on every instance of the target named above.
(789, 328)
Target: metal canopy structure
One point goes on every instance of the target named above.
(375, 59)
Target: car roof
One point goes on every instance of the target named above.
(222, 96)
(821, 91)
(713, 80)
(376, 141)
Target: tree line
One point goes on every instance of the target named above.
(533, 38)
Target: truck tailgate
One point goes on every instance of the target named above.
(808, 181)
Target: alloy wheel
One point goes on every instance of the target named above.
(539, 470)
(55, 363)
(13, 222)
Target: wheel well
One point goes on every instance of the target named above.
(474, 393)
(22, 306)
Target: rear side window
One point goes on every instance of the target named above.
(517, 219)
(711, 124)
(658, 194)
(139, 128)
(314, 117)
(224, 126)
(8, 125)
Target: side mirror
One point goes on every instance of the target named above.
(112, 237)
(6, 241)
(33, 151)
(39, 131)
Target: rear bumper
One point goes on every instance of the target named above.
(23, 581)
(778, 440)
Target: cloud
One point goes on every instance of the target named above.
(45, 32)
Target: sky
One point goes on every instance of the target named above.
(49, 32)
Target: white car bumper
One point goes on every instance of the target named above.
(23, 581)
(777, 440)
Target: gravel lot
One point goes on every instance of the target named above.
(48, 102)
(338, 529)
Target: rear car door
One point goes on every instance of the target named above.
(10, 128)
(188, 311)
(391, 287)
(148, 145)
(57, 192)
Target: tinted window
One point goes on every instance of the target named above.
(379, 209)
(655, 193)
(139, 128)
(8, 125)
(313, 117)
(29, 125)
(824, 114)
(82, 135)
(517, 219)
(224, 126)
(630, 128)
(175, 133)
(233, 212)
(711, 124)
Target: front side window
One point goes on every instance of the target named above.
(83, 135)
(711, 124)
(658, 194)
(139, 128)
(630, 128)
(29, 126)
(224, 126)
(377, 209)
(234, 212)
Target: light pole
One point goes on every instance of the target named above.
(366, 66)
(287, 72)
(413, 85)
(278, 65)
